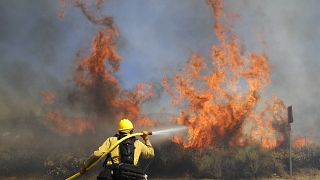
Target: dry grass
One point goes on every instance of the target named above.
(305, 175)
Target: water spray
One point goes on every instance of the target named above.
(168, 131)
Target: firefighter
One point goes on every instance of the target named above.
(122, 162)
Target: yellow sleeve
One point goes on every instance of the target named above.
(147, 150)
(103, 148)
(96, 154)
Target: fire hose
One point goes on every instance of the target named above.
(107, 152)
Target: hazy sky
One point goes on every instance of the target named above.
(157, 36)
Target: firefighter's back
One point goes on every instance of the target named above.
(122, 162)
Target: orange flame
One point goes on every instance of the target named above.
(48, 97)
(269, 125)
(71, 126)
(98, 68)
(215, 97)
(62, 5)
(94, 77)
(99, 3)
(92, 72)
(300, 142)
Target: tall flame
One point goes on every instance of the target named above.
(97, 88)
(216, 96)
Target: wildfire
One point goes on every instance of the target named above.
(217, 96)
(269, 125)
(97, 88)
(300, 142)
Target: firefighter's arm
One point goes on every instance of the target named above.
(147, 150)
(96, 154)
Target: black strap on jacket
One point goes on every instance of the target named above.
(105, 163)
(126, 149)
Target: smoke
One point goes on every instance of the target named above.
(38, 50)
(36, 55)
(24, 61)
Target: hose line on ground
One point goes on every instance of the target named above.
(104, 154)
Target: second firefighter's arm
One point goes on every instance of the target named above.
(97, 154)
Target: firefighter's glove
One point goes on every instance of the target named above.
(145, 135)
(83, 170)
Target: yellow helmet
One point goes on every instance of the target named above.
(124, 125)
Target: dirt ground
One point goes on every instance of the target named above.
(309, 176)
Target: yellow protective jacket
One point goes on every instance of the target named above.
(145, 150)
